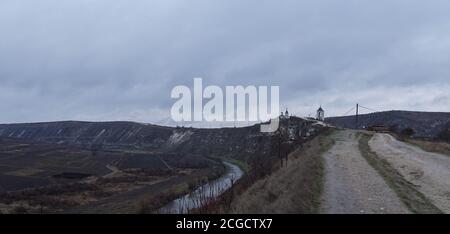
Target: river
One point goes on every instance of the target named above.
(212, 189)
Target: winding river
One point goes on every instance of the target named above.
(212, 189)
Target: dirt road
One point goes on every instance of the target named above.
(351, 184)
(430, 172)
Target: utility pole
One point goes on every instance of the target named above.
(278, 133)
(357, 110)
(279, 149)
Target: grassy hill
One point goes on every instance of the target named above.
(425, 124)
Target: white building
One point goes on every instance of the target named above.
(285, 115)
(320, 114)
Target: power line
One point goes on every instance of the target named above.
(346, 113)
(370, 109)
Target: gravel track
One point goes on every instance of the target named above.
(352, 186)
(430, 172)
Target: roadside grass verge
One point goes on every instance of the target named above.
(429, 146)
(293, 188)
(406, 191)
(325, 143)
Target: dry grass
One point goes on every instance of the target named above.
(431, 146)
(408, 194)
(151, 204)
(294, 188)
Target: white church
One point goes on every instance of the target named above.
(320, 114)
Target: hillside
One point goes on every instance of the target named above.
(445, 133)
(235, 142)
(90, 134)
(119, 166)
(425, 124)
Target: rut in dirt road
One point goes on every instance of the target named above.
(429, 172)
(352, 186)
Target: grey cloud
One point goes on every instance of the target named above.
(105, 60)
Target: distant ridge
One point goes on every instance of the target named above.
(426, 124)
(83, 133)
(234, 142)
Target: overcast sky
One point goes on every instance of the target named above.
(119, 60)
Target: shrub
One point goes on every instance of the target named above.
(408, 132)
(445, 133)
